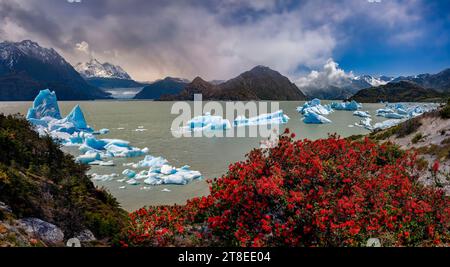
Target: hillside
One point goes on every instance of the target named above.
(46, 198)
(439, 81)
(260, 83)
(26, 68)
(403, 91)
(166, 86)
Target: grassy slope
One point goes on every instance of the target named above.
(38, 180)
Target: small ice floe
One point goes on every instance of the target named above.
(146, 188)
(104, 177)
(277, 117)
(140, 130)
(365, 123)
(102, 131)
(132, 182)
(363, 114)
(121, 180)
(315, 106)
(120, 128)
(123, 187)
(102, 163)
(313, 118)
(206, 122)
(129, 173)
(351, 106)
(166, 190)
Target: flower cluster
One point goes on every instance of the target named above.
(328, 192)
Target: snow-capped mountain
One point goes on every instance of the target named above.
(96, 69)
(333, 82)
(26, 67)
(371, 81)
(11, 53)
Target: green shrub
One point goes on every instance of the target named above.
(417, 138)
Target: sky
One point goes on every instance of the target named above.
(219, 39)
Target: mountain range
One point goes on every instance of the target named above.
(259, 83)
(347, 87)
(26, 68)
(423, 87)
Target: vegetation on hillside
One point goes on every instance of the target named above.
(328, 192)
(38, 180)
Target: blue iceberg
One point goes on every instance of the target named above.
(314, 118)
(315, 106)
(362, 114)
(351, 106)
(44, 105)
(207, 122)
(277, 117)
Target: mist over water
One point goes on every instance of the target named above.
(210, 156)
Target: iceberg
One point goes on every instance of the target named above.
(365, 123)
(314, 106)
(404, 111)
(44, 105)
(313, 118)
(277, 117)
(353, 105)
(362, 114)
(129, 173)
(207, 123)
(76, 117)
(386, 124)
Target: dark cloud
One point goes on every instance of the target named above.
(215, 39)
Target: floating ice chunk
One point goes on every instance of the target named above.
(87, 158)
(277, 117)
(129, 173)
(101, 131)
(150, 161)
(353, 105)
(44, 105)
(394, 115)
(102, 163)
(120, 128)
(104, 177)
(387, 124)
(207, 123)
(165, 190)
(362, 114)
(140, 130)
(314, 106)
(123, 187)
(365, 123)
(132, 182)
(313, 118)
(76, 117)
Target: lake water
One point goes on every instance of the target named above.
(210, 156)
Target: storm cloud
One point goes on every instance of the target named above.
(214, 39)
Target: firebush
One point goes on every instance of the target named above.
(328, 192)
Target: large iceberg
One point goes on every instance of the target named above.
(207, 122)
(313, 118)
(403, 110)
(44, 105)
(352, 106)
(315, 106)
(277, 117)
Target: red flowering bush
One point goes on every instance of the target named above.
(328, 192)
